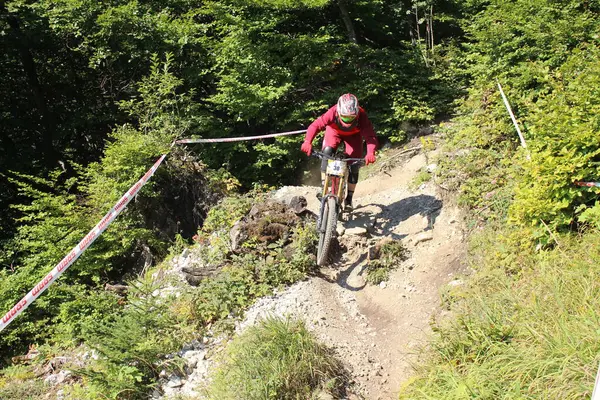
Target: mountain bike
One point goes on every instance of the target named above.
(332, 204)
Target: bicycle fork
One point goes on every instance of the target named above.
(337, 187)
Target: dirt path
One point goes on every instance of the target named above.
(377, 330)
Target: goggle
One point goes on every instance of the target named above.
(347, 118)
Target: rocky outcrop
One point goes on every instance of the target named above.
(269, 222)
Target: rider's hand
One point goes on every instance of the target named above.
(307, 148)
(370, 159)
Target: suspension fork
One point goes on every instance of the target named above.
(336, 184)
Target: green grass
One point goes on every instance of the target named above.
(17, 383)
(391, 254)
(277, 359)
(420, 178)
(527, 326)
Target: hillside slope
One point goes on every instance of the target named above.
(376, 329)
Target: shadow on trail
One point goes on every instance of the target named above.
(386, 222)
(342, 279)
(392, 215)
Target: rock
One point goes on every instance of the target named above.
(32, 354)
(185, 253)
(431, 168)
(298, 204)
(340, 229)
(192, 358)
(425, 131)
(358, 231)
(383, 285)
(119, 289)
(92, 354)
(187, 348)
(58, 378)
(175, 382)
(323, 395)
(237, 236)
(456, 282)
(423, 237)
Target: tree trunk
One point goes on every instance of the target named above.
(347, 21)
(431, 26)
(50, 155)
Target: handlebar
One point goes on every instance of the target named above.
(322, 155)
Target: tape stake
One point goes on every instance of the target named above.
(596, 392)
(512, 115)
(74, 254)
(239, 139)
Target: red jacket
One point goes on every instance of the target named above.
(364, 127)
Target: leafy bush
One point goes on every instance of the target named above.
(565, 148)
(277, 359)
(547, 66)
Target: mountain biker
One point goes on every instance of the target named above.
(344, 122)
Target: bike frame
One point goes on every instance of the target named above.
(335, 186)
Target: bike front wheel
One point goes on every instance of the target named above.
(327, 231)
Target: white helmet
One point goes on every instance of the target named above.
(347, 109)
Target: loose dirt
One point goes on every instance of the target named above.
(378, 330)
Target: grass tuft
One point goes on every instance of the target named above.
(277, 359)
(388, 257)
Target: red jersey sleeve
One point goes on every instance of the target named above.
(320, 123)
(367, 132)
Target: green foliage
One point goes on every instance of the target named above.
(422, 176)
(277, 359)
(223, 216)
(133, 343)
(519, 336)
(565, 148)
(544, 55)
(254, 273)
(61, 212)
(389, 256)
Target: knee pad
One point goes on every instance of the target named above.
(328, 151)
(353, 175)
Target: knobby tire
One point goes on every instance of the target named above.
(326, 234)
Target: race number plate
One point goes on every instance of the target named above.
(336, 167)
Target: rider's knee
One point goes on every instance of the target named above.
(328, 150)
(353, 175)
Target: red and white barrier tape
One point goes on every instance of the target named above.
(79, 249)
(238, 139)
(105, 222)
(588, 184)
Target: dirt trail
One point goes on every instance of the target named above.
(377, 330)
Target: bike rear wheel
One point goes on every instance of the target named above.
(327, 231)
